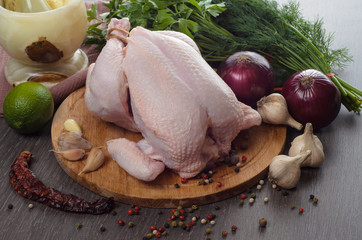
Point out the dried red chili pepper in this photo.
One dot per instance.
(27, 185)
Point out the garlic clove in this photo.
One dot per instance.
(273, 109)
(317, 157)
(72, 154)
(308, 141)
(285, 170)
(95, 160)
(72, 140)
(71, 126)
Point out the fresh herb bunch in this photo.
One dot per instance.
(223, 27)
(177, 15)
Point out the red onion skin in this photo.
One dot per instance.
(249, 80)
(318, 104)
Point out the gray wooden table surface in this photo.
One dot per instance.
(337, 183)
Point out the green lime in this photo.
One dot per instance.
(28, 107)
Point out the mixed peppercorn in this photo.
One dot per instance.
(186, 219)
(206, 177)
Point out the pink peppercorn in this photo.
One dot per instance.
(130, 212)
(219, 184)
(183, 180)
(243, 196)
(210, 217)
(121, 222)
(301, 210)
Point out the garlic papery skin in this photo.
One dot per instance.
(72, 140)
(284, 170)
(308, 141)
(273, 109)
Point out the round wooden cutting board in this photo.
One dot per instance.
(264, 142)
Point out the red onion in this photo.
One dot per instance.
(249, 75)
(312, 97)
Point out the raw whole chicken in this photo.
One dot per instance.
(157, 83)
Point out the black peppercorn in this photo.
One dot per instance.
(10, 206)
(262, 222)
(103, 229)
(285, 193)
(234, 159)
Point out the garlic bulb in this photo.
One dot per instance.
(284, 170)
(273, 109)
(308, 141)
(95, 160)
